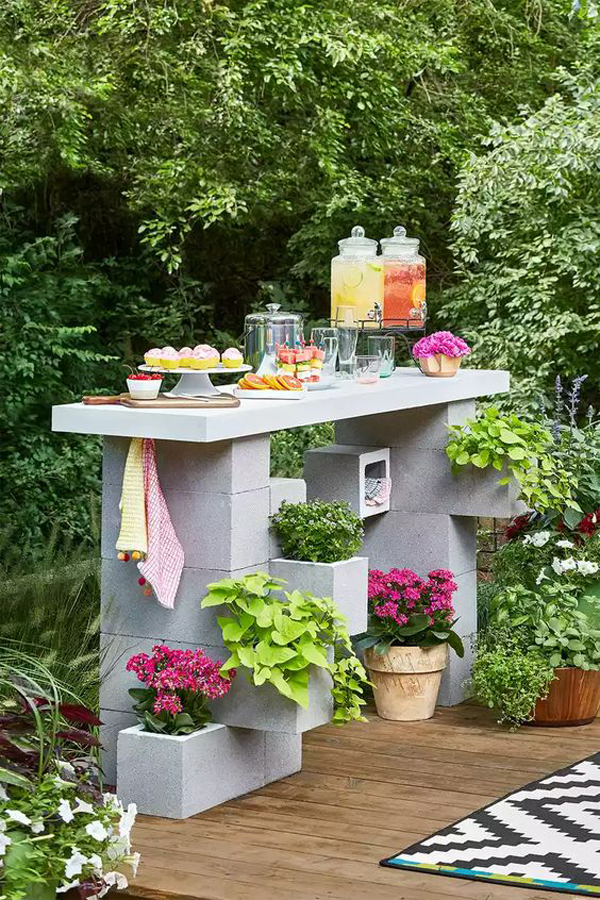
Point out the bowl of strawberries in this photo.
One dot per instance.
(143, 385)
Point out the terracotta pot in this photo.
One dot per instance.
(406, 681)
(573, 699)
(440, 365)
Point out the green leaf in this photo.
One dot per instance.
(8, 777)
(269, 655)
(232, 663)
(313, 653)
(288, 630)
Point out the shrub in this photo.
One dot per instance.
(318, 531)
(288, 448)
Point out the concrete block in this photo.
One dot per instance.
(115, 650)
(345, 582)
(421, 428)
(422, 481)
(421, 541)
(283, 755)
(126, 610)
(456, 675)
(291, 489)
(112, 723)
(338, 472)
(216, 531)
(228, 467)
(264, 708)
(177, 776)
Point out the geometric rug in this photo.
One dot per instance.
(545, 835)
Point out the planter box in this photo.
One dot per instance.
(345, 582)
(177, 776)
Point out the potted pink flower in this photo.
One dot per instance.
(439, 354)
(411, 623)
(171, 764)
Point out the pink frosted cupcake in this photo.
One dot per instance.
(213, 357)
(169, 358)
(152, 357)
(185, 357)
(232, 358)
(201, 358)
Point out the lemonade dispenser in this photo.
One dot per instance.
(357, 280)
(404, 281)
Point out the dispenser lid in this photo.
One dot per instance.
(399, 244)
(273, 315)
(357, 244)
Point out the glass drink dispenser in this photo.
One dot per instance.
(404, 281)
(357, 280)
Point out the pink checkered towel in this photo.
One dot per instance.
(164, 560)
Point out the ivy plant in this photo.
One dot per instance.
(279, 635)
(318, 531)
(515, 448)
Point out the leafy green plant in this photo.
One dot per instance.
(318, 531)
(521, 448)
(278, 636)
(508, 678)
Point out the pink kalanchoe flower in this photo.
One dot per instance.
(443, 342)
(400, 593)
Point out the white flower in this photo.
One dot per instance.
(38, 827)
(96, 830)
(127, 820)
(96, 862)
(3, 794)
(539, 539)
(83, 807)
(17, 816)
(112, 801)
(113, 879)
(569, 565)
(67, 887)
(134, 862)
(65, 811)
(74, 864)
(586, 567)
(566, 544)
(557, 565)
(4, 842)
(541, 577)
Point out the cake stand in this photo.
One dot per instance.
(195, 382)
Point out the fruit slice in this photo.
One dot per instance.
(273, 382)
(290, 383)
(243, 385)
(351, 276)
(417, 294)
(256, 382)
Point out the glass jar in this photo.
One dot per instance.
(404, 302)
(357, 281)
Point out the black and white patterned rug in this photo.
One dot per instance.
(544, 835)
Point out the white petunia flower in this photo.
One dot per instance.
(83, 807)
(539, 539)
(586, 567)
(113, 879)
(566, 544)
(3, 794)
(541, 577)
(67, 887)
(65, 811)
(96, 830)
(557, 565)
(96, 862)
(569, 565)
(75, 863)
(112, 801)
(134, 862)
(65, 767)
(5, 841)
(127, 820)
(38, 827)
(17, 816)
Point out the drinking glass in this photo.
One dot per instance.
(318, 335)
(347, 340)
(384, 346)
(329, 345)
(366, 369)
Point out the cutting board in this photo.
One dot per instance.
(221, 401)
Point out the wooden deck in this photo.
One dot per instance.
(365, 791)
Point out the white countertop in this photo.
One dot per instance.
(407, 388)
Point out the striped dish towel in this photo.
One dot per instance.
(163, 565)
(133, 534)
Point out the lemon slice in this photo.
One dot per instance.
(352, 276)
(417, 294)
(376, 267)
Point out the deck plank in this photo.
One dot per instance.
(365, 792)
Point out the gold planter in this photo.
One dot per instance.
(440, 365)
(406, 681)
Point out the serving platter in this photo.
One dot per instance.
(195, 382)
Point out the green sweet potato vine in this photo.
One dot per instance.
(279, 636)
